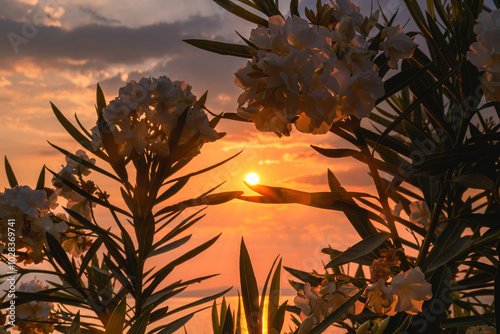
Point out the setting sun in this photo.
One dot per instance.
(252, 178)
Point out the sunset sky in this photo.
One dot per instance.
(75, 44)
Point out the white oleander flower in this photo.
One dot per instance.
(360, 95)
(487, 29)
(379, 298)
(132, 139)
(311, 303)
(482, 59)
(299, 34)
(345, 8)
(116, 111)
(34, 310)
(336, 296)
(154, 107)
(420, 213)
(396, 45)
(79, 168)
(135, 94)
(344, 32)
(410, 289)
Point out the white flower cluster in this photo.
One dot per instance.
(27, 211)
(73, 172)
(316, 303)
(144, 114)
(485, 53)
(407, 292)
(34, 311)
(313, 76)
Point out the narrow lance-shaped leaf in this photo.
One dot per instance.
(75, 325)
(117, 320)
(85, 162)
(228, 49)
(10, 174)
(359, 250)
(322, 326)
(140, 325)
(41, 179)
(249, 291)
(274, 296)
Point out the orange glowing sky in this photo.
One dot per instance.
(84, 42)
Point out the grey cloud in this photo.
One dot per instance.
(108, 44)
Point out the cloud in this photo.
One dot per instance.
(99, 43)
(309, 179)
(268, 162)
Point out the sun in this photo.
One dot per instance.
(252, 178)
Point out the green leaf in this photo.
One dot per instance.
(339, 200)
(89, 255)
(455, 249)
(322, 326)
(366, 260)
(140, 325)
(198, 302)
(279, 318)
(73, 131)
(41, 179)
(10, 174)
(227, 49)
(171, 246)
(241, 12)
(336, 152)
(274, 298)
(360, 249)
(305, 276)
(294, 8)
(88, 196)
(160, 275)
(117, 320)
(215, 319)
(61, 258)
(249, 292)
(174, 189)
(75, 325)
(174, 325)
(228, 326)
(101, 101)
(401, 80)
(85, 163)
(415, 104)
(213, 199)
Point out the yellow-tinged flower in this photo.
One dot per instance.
(410, 289)
(34, 311)
(380, 299)
(397, 45)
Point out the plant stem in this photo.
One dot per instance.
(436, 212)
(383, 198)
